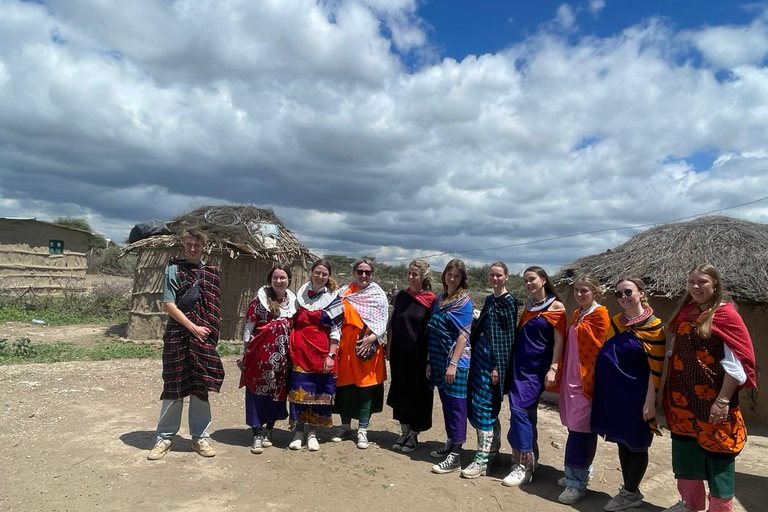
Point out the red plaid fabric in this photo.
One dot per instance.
(192, 367)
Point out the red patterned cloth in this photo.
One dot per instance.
(310, 341)
(266, 363)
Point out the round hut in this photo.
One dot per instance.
(662, 257)
(244, 242)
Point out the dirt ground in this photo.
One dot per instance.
(75, 437)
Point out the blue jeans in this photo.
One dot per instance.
(170, 418)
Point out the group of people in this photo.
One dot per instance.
(323, 350)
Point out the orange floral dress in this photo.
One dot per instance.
(695, 377)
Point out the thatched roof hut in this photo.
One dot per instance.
(662, 257)
(244, 242)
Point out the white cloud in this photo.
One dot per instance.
(565, 16)
(138, 110)
(596, 6)
(729, 47)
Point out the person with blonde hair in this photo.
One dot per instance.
(265, 363)
(532, 368)
(712, 357)
(362, 365)
(314, 348)
(576, 376)
(191, 365)
(449, 357)
(492, 339)
(627, 378)
(409, 395)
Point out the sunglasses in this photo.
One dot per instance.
(364, 272)
(626, 293)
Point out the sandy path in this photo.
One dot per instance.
(75, 437)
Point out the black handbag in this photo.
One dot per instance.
(187, 301)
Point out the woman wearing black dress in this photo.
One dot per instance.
(410, 395)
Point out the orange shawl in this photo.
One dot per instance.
(556, 318)
(591, 334)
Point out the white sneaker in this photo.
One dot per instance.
(624, 500)
(312, 444)
(202, 445)
(266, 439)
(298, 437)
(517, 477)
(680, 506)
(571, 496)
(362, 438)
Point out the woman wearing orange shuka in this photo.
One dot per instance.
(576, 376)
(712, 357)
(362, 367)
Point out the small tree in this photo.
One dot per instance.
(95, 241)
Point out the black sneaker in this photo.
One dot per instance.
(441, 452)
(400, 441)
(449, 465)
(411, 443)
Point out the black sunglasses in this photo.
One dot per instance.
(626, 293)
(364, 272)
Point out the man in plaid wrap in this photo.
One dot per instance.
(191, 365)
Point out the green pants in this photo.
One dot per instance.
(691, 462)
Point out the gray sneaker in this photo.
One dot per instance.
(400, 441)
(476, 469)
(680, 506)
(449, 465)
(571, 496)
(258, 444)
(624, 500)
(411, 443)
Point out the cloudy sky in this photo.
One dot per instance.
(396, 128)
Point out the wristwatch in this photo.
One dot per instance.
(332, 356)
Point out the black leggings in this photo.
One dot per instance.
(633, 466)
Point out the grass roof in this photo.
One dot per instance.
(663, 255)
(234, 229)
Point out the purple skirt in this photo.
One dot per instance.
(262, 410)
(312, 396)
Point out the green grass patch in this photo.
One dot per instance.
(66, 311)
(226, 348)
(104, 351)
(62, 352)
(105, 303)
